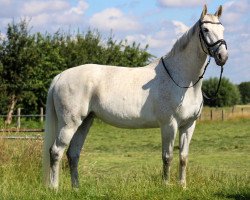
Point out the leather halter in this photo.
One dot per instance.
(209, 46)
(210, 52)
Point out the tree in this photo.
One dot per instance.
(49, 63)
(244, 88)
(228, 94)
(28, 62)
(18, 58)
(3, 96)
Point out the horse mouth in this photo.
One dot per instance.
(221, 59)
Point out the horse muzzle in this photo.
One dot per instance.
(221, 56)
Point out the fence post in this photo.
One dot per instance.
(222, 114)
(211, 114)
(19, 118)
(41, 114)
(242, 110)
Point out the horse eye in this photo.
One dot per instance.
(206, 30)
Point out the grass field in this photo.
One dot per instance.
(126, 164)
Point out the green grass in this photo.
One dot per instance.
(126, 164)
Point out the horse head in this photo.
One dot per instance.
(212, 36)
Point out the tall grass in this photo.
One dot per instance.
(126, 164)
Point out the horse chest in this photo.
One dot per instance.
(189, 110)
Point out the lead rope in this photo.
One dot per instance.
(214, 96)
(200, 77)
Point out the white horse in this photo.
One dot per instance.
(144, 97)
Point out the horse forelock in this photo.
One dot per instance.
(211, 17)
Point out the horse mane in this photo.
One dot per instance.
(183, 41)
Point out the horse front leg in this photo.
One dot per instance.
(168, 133)
(186, 133)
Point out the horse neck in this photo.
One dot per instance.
(186, 60)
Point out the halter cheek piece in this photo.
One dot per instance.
(210, 52)
(209, 46)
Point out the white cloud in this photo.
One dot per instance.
(31, 8)
(161, 41)
(151, 40)
(181, 3)
(80, 8)
(234, 12)
(53, 14)
(180, 27)
(113, 19)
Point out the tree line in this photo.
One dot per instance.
(29, 61)
(229, 94)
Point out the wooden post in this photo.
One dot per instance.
(242, 110)
(19, 118)
(41, 114)
(222, 115)
(211, 114)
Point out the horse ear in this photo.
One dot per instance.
(218, 12)
(204, 11)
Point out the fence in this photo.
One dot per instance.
(206, 115)
(18, 117)
(225, 113)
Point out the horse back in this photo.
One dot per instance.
(118, 95)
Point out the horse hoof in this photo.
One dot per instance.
(183, 185)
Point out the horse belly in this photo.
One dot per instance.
(131, 122)
(126, 111)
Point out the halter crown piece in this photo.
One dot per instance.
(209, 47)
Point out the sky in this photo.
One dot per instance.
(157, 23)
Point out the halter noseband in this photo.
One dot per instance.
(209, 46)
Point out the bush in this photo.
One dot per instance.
(228, 94)
(244, 88)
(28, 61)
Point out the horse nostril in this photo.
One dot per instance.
(219, 56)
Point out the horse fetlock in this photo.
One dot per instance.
(183, 161)
(75, 182)
(183, 183)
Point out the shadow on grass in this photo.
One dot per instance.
(243, 196)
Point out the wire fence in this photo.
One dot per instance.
(19, 128)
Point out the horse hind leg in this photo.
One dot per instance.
(76, 144)
(66, 133)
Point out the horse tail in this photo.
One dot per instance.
(50, 131)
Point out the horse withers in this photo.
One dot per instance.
(144, 97)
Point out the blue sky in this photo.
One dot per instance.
(157, 23)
